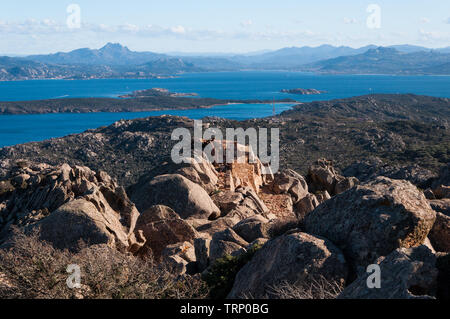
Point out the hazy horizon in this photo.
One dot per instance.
(217, 53)
(201, 26)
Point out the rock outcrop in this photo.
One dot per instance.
(224, 243)
(373, 219)
(443, 178)
(69, 204)
(440, 233)
(180, 258)
(306, 205)
(187, 199)
(290, 182)
(441, 205)
(323, 177)
(406, 273)
(368, 170)
(161, 227)
(253, 228)
(293, 258)
(441, 192)
(198, 170)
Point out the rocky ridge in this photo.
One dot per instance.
(69, 203)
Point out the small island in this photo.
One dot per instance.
(302, 91)
(156, 92)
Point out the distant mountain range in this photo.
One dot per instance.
(385, 61)
(117, 61)
(110, 54)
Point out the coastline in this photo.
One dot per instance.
(139, 110)
(312, 73)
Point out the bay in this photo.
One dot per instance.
(16, 129)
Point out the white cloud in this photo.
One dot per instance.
(178, 29)
(350, 20)
(130, 27)
(433, 36)
(246, 23)
(49, 27)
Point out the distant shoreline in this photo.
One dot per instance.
(316, 73)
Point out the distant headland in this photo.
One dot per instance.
(300, 91)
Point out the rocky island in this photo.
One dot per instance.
(300, 91)
(155, 92)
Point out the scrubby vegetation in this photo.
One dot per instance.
(33, 269)
(220, 278)
(319, 288)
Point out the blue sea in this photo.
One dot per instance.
(16, 129)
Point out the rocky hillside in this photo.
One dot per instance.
(383, 199)
(407, 135)
(242, 237)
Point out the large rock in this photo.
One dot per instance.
(180, 258)
(224, 243)
(44, 188)
(201, 246)
(440, 233)
(306, 205)
(70, 204)
(198, 170)
(251, 205)
(83, 220)
(296, 258)
(227, 201)
(373, 220)
(162, 227)
(442, 192)
(188, 199)
(252, 228)
(406, 273)
(215, 226)
(370, 169)
(443, 179)
(441, 205)
(290, 182)
(323, 177)
(344, 184)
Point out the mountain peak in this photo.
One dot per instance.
(383, 50)
(114, 47)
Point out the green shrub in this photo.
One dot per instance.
(221, 276)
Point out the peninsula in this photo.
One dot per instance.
(147, 100)
(302, 91)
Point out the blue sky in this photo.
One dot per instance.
(28, 27)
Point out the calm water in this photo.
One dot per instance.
(223, 85)
(18, 129)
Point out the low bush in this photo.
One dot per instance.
(319, 288)
(220, 278)
(34, 269)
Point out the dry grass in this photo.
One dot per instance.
(36, 270)
(319, 288)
